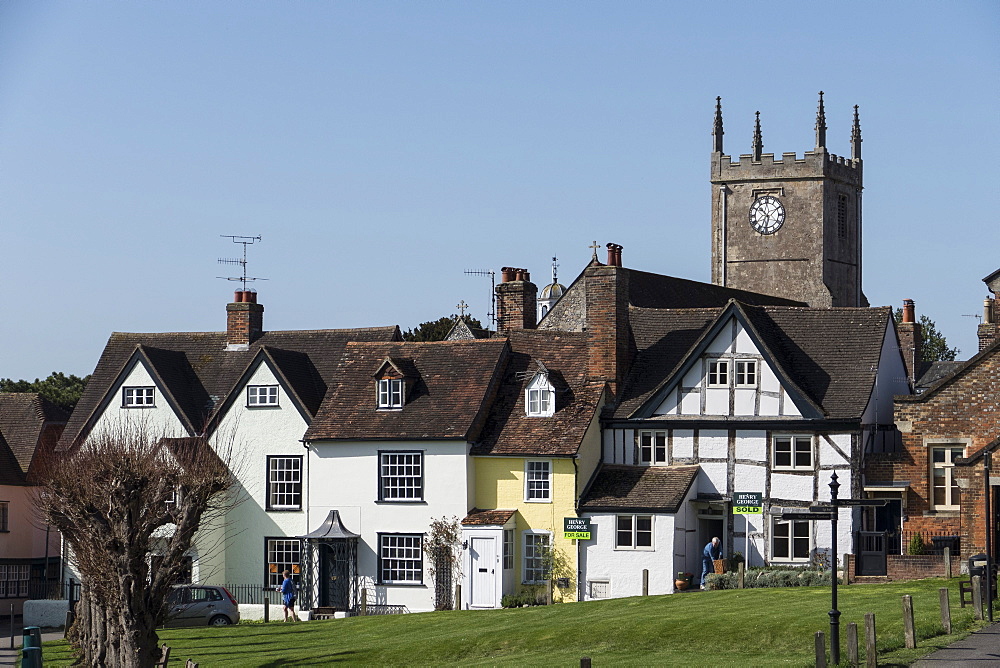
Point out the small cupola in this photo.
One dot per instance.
(550, 294)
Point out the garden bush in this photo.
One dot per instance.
(760, 578)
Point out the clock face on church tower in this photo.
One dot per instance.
(767, 215)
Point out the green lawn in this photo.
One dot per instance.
(759, 627)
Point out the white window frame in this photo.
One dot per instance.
(746, 373)
(285, 554)
(400, 557)
(508, 549)
(794, 441)
(947, 467)
(538, 483)
(717, 373)
(792, 525)
(14, 580)
(531, 562)
(633, 532)
(539, 397)
(284, 482)
(401, 476)
(390, 393)
(143, 396)
(650, 441)
(262, 395)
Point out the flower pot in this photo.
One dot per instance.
(681, 585)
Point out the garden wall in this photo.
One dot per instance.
(915, 566)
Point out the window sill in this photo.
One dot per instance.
(635, 549)
(405, 502)
(944, 512)
(133, 407)
(414, 585)
(285, 510)
(538, 500)
(788, 469)
(263, 405)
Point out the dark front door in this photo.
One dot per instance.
(888, 519)
(334, 571)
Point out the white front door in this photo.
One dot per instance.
(484, 569)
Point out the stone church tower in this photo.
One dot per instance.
(789, 227)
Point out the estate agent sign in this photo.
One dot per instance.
(576, 528)
(747, 503)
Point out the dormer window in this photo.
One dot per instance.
(390, 393)
(718, 373)
(540, 399)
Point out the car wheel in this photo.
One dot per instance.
(219, 620)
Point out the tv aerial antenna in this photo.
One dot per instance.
(492, 315)
(242, 262)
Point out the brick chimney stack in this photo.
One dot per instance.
(988, 330)
(516, 300)
(911, 340)
(608, 337)
(244, 320)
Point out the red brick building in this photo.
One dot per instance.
(937, 472)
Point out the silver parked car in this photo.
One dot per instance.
(198, 605)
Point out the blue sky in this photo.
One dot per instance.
(382, 148)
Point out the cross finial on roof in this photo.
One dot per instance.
(461, 306)
(594, 248)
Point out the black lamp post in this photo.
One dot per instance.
(988, 529)
(834, 612)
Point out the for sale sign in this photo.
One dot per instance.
(748, 503)
(576, 528)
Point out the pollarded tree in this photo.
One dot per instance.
(111, 498)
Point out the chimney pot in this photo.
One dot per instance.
(909, 312)
(508, 274)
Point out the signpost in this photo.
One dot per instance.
(828, 512)
(576, 528)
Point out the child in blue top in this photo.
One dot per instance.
(288, 596)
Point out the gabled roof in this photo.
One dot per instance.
(957, 372)
(653, 291)
(293, 369)
(461, 331)
(456, 380)
(199, 373)
(826, 356)
(29, 425)
(404, 368)
(509, 431)
(644, 488)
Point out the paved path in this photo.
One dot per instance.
(8, 656)
(982, 648)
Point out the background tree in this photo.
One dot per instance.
(62, 390)
(109, 498)
(935, 347)
(436, 330)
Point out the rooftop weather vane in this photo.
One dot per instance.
(246, 241)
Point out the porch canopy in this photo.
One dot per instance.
(330, 566)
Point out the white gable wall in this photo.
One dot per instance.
(693, 396)
(157, 419)
(253, 433)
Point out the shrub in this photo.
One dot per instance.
(916, 544)
(760, 578)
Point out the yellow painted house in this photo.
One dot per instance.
(540, 447)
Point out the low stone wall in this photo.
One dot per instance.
(255, 612)
(915, 566)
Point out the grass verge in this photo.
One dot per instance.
(750, 627)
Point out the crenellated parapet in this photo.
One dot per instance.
(812, 164)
